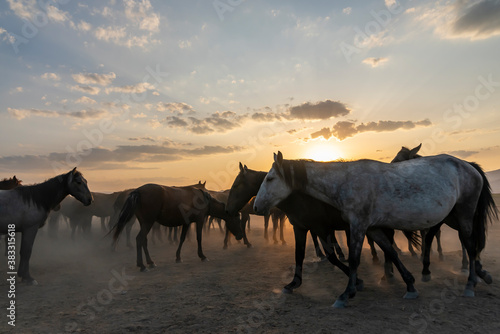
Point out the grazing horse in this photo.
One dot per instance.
(305, 214)
(171, 206)
(27, 208)
(410, 195)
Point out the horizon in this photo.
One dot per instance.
(173, 93)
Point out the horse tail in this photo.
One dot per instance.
(126, 214)
(485, 210)
(414, 237)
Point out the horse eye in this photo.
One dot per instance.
(269, 179)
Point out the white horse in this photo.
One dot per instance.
(410, 195)
(27, 207)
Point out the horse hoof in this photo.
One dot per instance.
(30, 282)
(205, 259)
(322, 258)
(411, 295)
(283, 243)
(468, 293)
(144, 270)
(426, 278)
(375, 261)
(178, 261)
(339, 304)
(224, 247)
(249, 245)
(487, 278)
(287, 291)
(152, 265)
(464, 271)
(441, 257)
(360, 285)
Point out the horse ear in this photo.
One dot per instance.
(204, 183)
(278, 158)
(73, 171)
(241, 167)
(413, 151)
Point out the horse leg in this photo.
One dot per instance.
(282, 227)
(385, 243)
(469, 244)
(266, 225)
(199, 229)
(410, 246)
(440, 249)
(185, 229)
(465, 261)
(355, 247)
(337, 247)
(275, 228)
(375, 259)
(142, 243)
(103, 224)
(27, 240)
(314, 237)
(426, 245)
(72, 223)
(226, 239)
(300, 250)
(243, 228)
(221, 230)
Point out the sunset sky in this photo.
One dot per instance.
(173, 92)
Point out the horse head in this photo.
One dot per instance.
(274, 188)
(407, 154)
(77, 187)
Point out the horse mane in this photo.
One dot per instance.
(295, 174)
(40, 194)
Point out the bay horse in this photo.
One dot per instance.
(410, 195)
(27, 208)
(171, 206)
(308, 214)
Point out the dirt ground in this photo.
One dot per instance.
(86, 288)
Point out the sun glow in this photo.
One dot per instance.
(322, 151)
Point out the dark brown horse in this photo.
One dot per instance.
(171, 206)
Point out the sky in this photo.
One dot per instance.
(173, 92)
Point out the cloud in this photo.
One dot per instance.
(20, 114)
(142, 14)
(86, 89)
(374, 62)
(345, 129)
(175, 107)
(320, 110)
(32, 9)
(16, 90)
(463, 153)
(94, 78)
(104, 158)
(474, 20)
(85, 100)
(347, 10)
(131, 89)
(50, 76)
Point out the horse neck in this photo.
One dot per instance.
(217, 209)
(256, 179)
(47, 194)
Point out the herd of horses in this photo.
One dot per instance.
(362, 198)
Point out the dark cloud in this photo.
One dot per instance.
(175, 107)
(481, 19)
(120, 156)
(346, 129)
(176, 122)
(94, 78)
(320, 110)
(82, 114)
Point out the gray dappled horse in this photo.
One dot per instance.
(410, 195)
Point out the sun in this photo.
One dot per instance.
(322, 151)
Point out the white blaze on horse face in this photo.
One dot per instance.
(272, 191)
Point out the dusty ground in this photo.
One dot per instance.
(86, 288)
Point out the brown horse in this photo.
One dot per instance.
(171, 206)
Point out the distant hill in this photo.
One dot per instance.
(494, 178)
